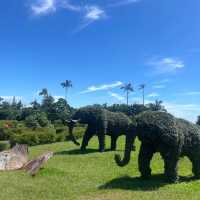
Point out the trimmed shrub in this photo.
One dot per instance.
(78, 132)
(31, 122)
(30, 138)
(4, 145)
(46, 135)
(60, 137)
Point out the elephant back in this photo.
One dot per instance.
(157, 127)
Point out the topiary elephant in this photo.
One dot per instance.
(172, 137)
(102, 122)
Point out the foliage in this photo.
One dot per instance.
(4, 145)
(66, 84)
(34, 137)
(31, 122)
(198, 121)
(128, 88)
(46, 135)
(157, 106)
(28, 137)
(6, 128)
(36, 114)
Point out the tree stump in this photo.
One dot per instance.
(17, 158)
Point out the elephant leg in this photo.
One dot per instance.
(196, 168)
(101, 138)
(171, 166)
(87, 136)
(113, 143)
(144, 159)
(133, 147)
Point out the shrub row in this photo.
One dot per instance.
(4, 145)
(19, 133)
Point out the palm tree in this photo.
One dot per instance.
(142, 87)
(66, 84)
(44, 92)
(127, 87)
(158, 105)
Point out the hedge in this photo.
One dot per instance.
(17, 132)
(4, 145)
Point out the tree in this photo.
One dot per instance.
(66, 85)
(157, 106)
(44, 92)
(1, 99)
(127, 88)
(35, 105)
(198, 120)
(142, 87)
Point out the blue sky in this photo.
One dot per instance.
(99, 45)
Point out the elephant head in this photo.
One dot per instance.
(130, 138)
(71, 124)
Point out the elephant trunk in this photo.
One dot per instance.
(130, 138)
(71, 135)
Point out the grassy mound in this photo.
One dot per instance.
(70, 175)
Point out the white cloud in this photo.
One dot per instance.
(192, 93)
(166, 65)
(10, 98)
(185, 111)
(91, 15)
(123, 3)
(117, 96)
(166, 80)
(43, 7)
(102, 87)
(94, 13)
(69, 6)
(153, 94)
(56, 98)
(158, 86)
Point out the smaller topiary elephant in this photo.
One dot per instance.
(170, 136)
(101, 122)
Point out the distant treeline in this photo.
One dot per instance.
(50, 111)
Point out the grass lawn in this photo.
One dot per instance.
(71, 175)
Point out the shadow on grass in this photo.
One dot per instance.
(137, 183)
(80, 152)
(77, 152)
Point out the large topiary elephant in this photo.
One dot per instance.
(102, 122)
(172, 137)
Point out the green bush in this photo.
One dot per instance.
(5, 133)
(30, 138)
(34, 137)
(42, 119)
(78, 132)
(46, 135)
(60, 137)
(20, 133)
(31, 122)
(38, 119)
(4, 145)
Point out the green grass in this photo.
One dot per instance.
(71, 175)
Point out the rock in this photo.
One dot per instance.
(15, 158)
(33, 166)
